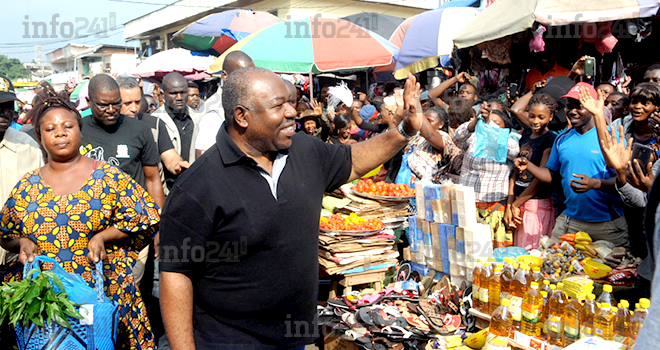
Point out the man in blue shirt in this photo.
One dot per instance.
(592, 204)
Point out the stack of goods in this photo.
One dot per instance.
(556, 315)
(397, 317)
(352, 244)
(445, 235)
(384, 201)
(578, 287)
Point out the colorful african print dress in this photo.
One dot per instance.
(63, 225)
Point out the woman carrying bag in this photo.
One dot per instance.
(79, 212)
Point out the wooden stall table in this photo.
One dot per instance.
(348, 281)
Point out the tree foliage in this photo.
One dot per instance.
(12, 68)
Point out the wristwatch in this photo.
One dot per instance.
(403, 133)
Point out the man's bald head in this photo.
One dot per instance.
(235, 60)
(237, 89)
(101, 83)
(173, 78)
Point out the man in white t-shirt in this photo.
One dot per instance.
(213, 115)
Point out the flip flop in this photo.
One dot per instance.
(418, 322)
(434, 319)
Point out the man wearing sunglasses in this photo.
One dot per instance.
(119, 140)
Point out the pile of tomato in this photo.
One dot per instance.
(338, 222)
(382, 188)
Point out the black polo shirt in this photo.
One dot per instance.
(252, 259)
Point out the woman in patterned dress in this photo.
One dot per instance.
(79, 211)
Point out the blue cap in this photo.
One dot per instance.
(367, 111)
(425, 96)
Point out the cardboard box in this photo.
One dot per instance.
(333, 341)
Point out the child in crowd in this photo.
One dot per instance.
(529, 206)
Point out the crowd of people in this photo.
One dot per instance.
(231, 260)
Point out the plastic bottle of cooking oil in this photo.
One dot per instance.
(544, 315)
(587, 316)
(507, 277)
(639, 316)
(532, 311)
(494, 290)
(519, 287)
(484, 280)
(606, 296)
(476, 287)
(604, 322)
(560, 287)
(537, 276)
(555, 314)
(571, 321)
(623, 323)
(546, 286)
(500, 322)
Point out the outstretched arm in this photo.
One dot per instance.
(435, 93)
(369, 154)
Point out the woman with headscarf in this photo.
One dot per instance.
(80, 211)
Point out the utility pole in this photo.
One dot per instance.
(37, 60)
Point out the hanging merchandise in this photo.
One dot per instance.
(498, 50)
(640, 28)
(600, 34)
(536, 43)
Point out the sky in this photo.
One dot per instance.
(76, 20)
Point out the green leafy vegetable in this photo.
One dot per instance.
(34, 300)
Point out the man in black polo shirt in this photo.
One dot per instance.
(121, 141)
(239, 231)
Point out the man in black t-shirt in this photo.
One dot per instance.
(119, 140)
(239, 230)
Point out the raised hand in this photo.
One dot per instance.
(616, 154)
(413, 118)
(538, 85)
(578, 67)
(637, 177)
(463, 77)
(595, 107)
(317, 108)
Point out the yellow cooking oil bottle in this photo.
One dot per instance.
(500, 321)
(476, 285)
(544, 315)
(638, 317)
(537, 276)
(571, 321)
(507, 276)
(494, 290)
(604, 322)
(546, 286)
(623, 324)
(532, 311)
(555, 314)
(587, 316)
(519, 287)
(484, 280)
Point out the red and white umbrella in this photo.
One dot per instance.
(174, 60)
